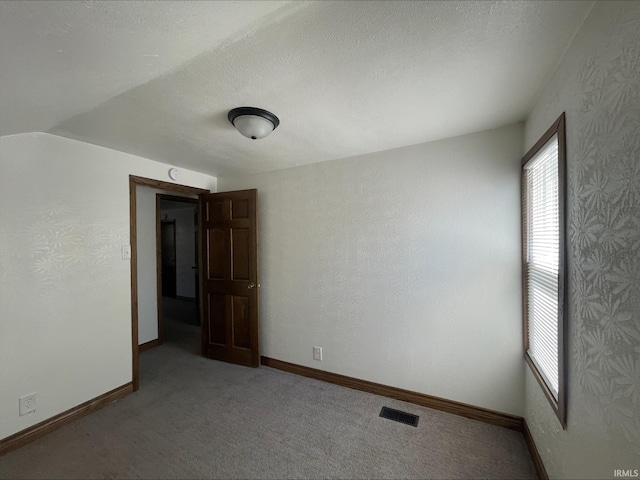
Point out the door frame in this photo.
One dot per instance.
(173, 198)
(135, 181)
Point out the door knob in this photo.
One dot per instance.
(252, 285)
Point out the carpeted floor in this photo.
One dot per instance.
(198, 418)
(180, 310)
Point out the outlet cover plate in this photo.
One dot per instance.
(317, 353)
(28, 403)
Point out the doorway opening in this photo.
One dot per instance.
(227, 271)
(177, 255)
(168, 256)
(145, 287)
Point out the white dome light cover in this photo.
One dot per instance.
(253, 123)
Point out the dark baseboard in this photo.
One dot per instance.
(535, 455)
(147, 345)
(500, 419)
(38, 430)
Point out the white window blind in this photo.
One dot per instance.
(542, 242)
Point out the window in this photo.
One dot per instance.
(543, 263)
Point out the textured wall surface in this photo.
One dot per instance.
(403, 265)
(65, 302)
(147, 273)
(598, 85)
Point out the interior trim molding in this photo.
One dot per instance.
(38, 430)
(162, 185)
(148, 345)
(485, 415)
(535, 455)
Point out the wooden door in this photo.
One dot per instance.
(229, 266)
(168, 256)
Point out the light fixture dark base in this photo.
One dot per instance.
(259, 112)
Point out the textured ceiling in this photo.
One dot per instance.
(60, 59)
(157, 79)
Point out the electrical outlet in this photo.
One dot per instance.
(28, 403)
(317, 353)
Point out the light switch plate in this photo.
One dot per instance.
(126, 252)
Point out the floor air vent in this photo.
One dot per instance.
(398, 416)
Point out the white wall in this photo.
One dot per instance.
(403, 265)
(185, 248)
(65, 306)
(598, 85)
(147, 273)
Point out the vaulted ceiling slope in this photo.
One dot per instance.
(157, 79)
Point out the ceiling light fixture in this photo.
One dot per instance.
(253, 123)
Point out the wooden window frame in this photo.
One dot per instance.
(560, 405)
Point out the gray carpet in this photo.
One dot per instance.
(181, 309)
(198, 418)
